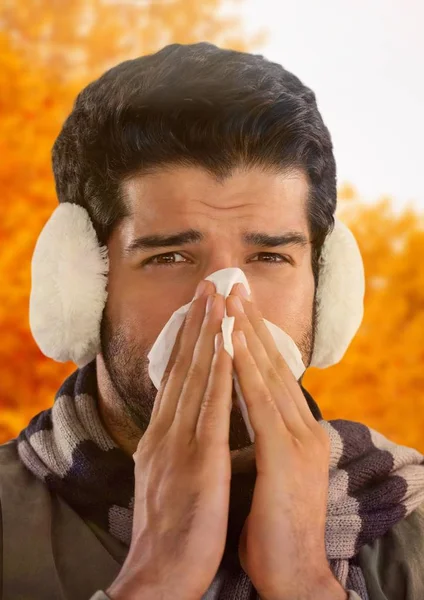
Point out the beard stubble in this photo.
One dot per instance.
(127, 365)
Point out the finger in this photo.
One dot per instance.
(264, 416)
(259, 326)
(171, 388)
(281, 395)
(167, 372)
(213, 424)
(196, 382)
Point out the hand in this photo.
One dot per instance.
(183, 470)
(282, 547)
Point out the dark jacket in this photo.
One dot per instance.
(48, 552)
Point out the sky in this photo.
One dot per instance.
(364, 59)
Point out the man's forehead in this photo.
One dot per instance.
(195, 183)
(180, 198)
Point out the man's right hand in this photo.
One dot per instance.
(183, 469)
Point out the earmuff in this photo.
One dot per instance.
(69, 280)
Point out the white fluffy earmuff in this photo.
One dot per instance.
(69, 280)
(68, 293)
(340, 296)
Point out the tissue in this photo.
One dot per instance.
(224, 280)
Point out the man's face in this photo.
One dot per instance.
(146, 285)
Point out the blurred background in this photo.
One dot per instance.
(363, 59)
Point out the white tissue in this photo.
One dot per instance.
(224, 280)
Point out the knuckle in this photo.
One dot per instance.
(267, 399)
(272, 374)
(208, 403)
(196, 372)
(181, 364)
(280, 362)
(209, 421)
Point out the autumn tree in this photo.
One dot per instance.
(49, 50)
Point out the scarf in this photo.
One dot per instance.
(373, 482)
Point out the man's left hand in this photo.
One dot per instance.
(282, 545)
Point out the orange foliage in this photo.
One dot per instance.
(380, 381)
(45, 61)
(48, 52)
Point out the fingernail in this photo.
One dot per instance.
(200, 289)
(243, 290)
(238, 303)
(240, 335)
(210, 302)
(218, 341)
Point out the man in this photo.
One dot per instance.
(169, 168)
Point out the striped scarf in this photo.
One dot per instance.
(373, 482)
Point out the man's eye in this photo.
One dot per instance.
(275, 258)
(163, 260)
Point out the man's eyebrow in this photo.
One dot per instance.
(193, 236)
(157, 240)
(265, 240)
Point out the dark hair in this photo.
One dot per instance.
(192, 104)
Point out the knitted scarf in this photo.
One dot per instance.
(373, 482)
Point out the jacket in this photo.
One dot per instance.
(48, 552)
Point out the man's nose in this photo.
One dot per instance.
(223, 260)
(219, 265)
